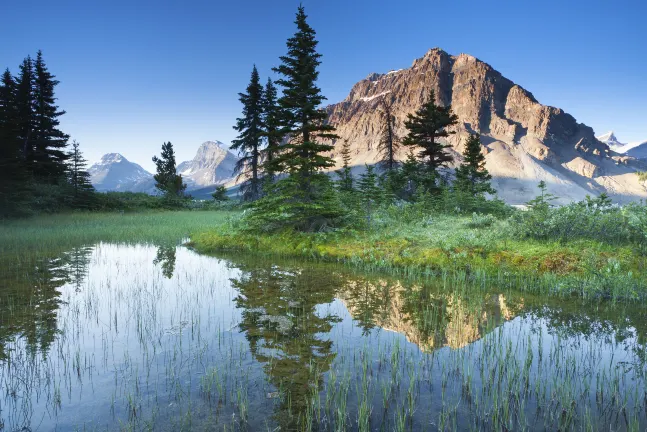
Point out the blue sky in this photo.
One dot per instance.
(136, 73)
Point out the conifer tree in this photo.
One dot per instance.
(369, 192)
(220, 194)
(248, 143)
(302, 119)
(472, 177)
(345, 182)
(48, 141)
(304, 200)
(389, 143)
(25, 110)
(425, 128)
(79, 177)
(271, 130)
(167, 180)
(14, 190)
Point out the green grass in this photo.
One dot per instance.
(60, 231)
(444, 245)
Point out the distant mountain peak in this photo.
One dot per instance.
(116, 173)
(212, 164)
(110, 158)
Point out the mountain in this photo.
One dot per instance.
(213, 164)
(116, 173)
(524, 141)
(636, 149)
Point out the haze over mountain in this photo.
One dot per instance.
(212, 164)
(524, 141)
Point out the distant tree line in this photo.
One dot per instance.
(285, 143)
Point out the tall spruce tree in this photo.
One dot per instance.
(14, 181)
(345, 182)
(79, 177)
(49, 143)
(304, 200)
(167, 180)
(425, 128)
(302, 119)
(472, 177)
(389, 143)
(271, 130)
(249, 141)
(369, 193)
(25, 110)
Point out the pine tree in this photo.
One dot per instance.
(48, 141)
(389, 143)
(14, 181)
(472, 177)
(79, 177)
(305, 200)
(345, 182)
(302, 119)
(248, 143)
(369, 193)
(167, 180)
(426, 127)
(271, 130)
(25, 110)
(220, 194)
(410, 174)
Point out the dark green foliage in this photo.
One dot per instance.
(220, 194)
(410, 176)
(425, 128)
(287, 206)
(25, 110)
(47, 141)
(389, 142)
(271, 130)
(370, 194)
(345, 182)
(301, 118)
(248, 142)
(167, 180)
(472, 177)
(82, 191)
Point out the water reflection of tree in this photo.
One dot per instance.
(165, 258)
(285, 331)
(30, 296)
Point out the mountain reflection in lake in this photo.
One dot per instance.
(159, 337)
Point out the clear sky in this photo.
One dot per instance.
(136, 73)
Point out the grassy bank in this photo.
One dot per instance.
(61, 231)
(453, 246)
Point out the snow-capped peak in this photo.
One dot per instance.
(111, 158)
(610, 139)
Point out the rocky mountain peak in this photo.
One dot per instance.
(525, 141)
(212, 164)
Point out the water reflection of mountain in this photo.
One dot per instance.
(428, 318)
(30, 296)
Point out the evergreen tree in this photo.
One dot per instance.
(167, 180)
(410, 175)
(14, 181)
(220, 194)
(271, 130)
(369, 193)
(248, 143)
(425, 128)
(305, 199)
(48, 141)
(302, 119)
(79, 177)
(25, 110)
(472, 177)
(345, 182)
(389, 143)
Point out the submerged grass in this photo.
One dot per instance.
(451, 245)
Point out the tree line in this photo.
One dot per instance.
(38, 167)
(284, 143)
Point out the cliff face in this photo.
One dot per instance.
(524, 141)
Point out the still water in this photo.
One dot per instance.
(142, 337)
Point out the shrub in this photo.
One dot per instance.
(481, 220)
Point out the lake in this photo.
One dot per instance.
(158, 337)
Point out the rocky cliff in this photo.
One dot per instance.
(524, 141)
(213, 164)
